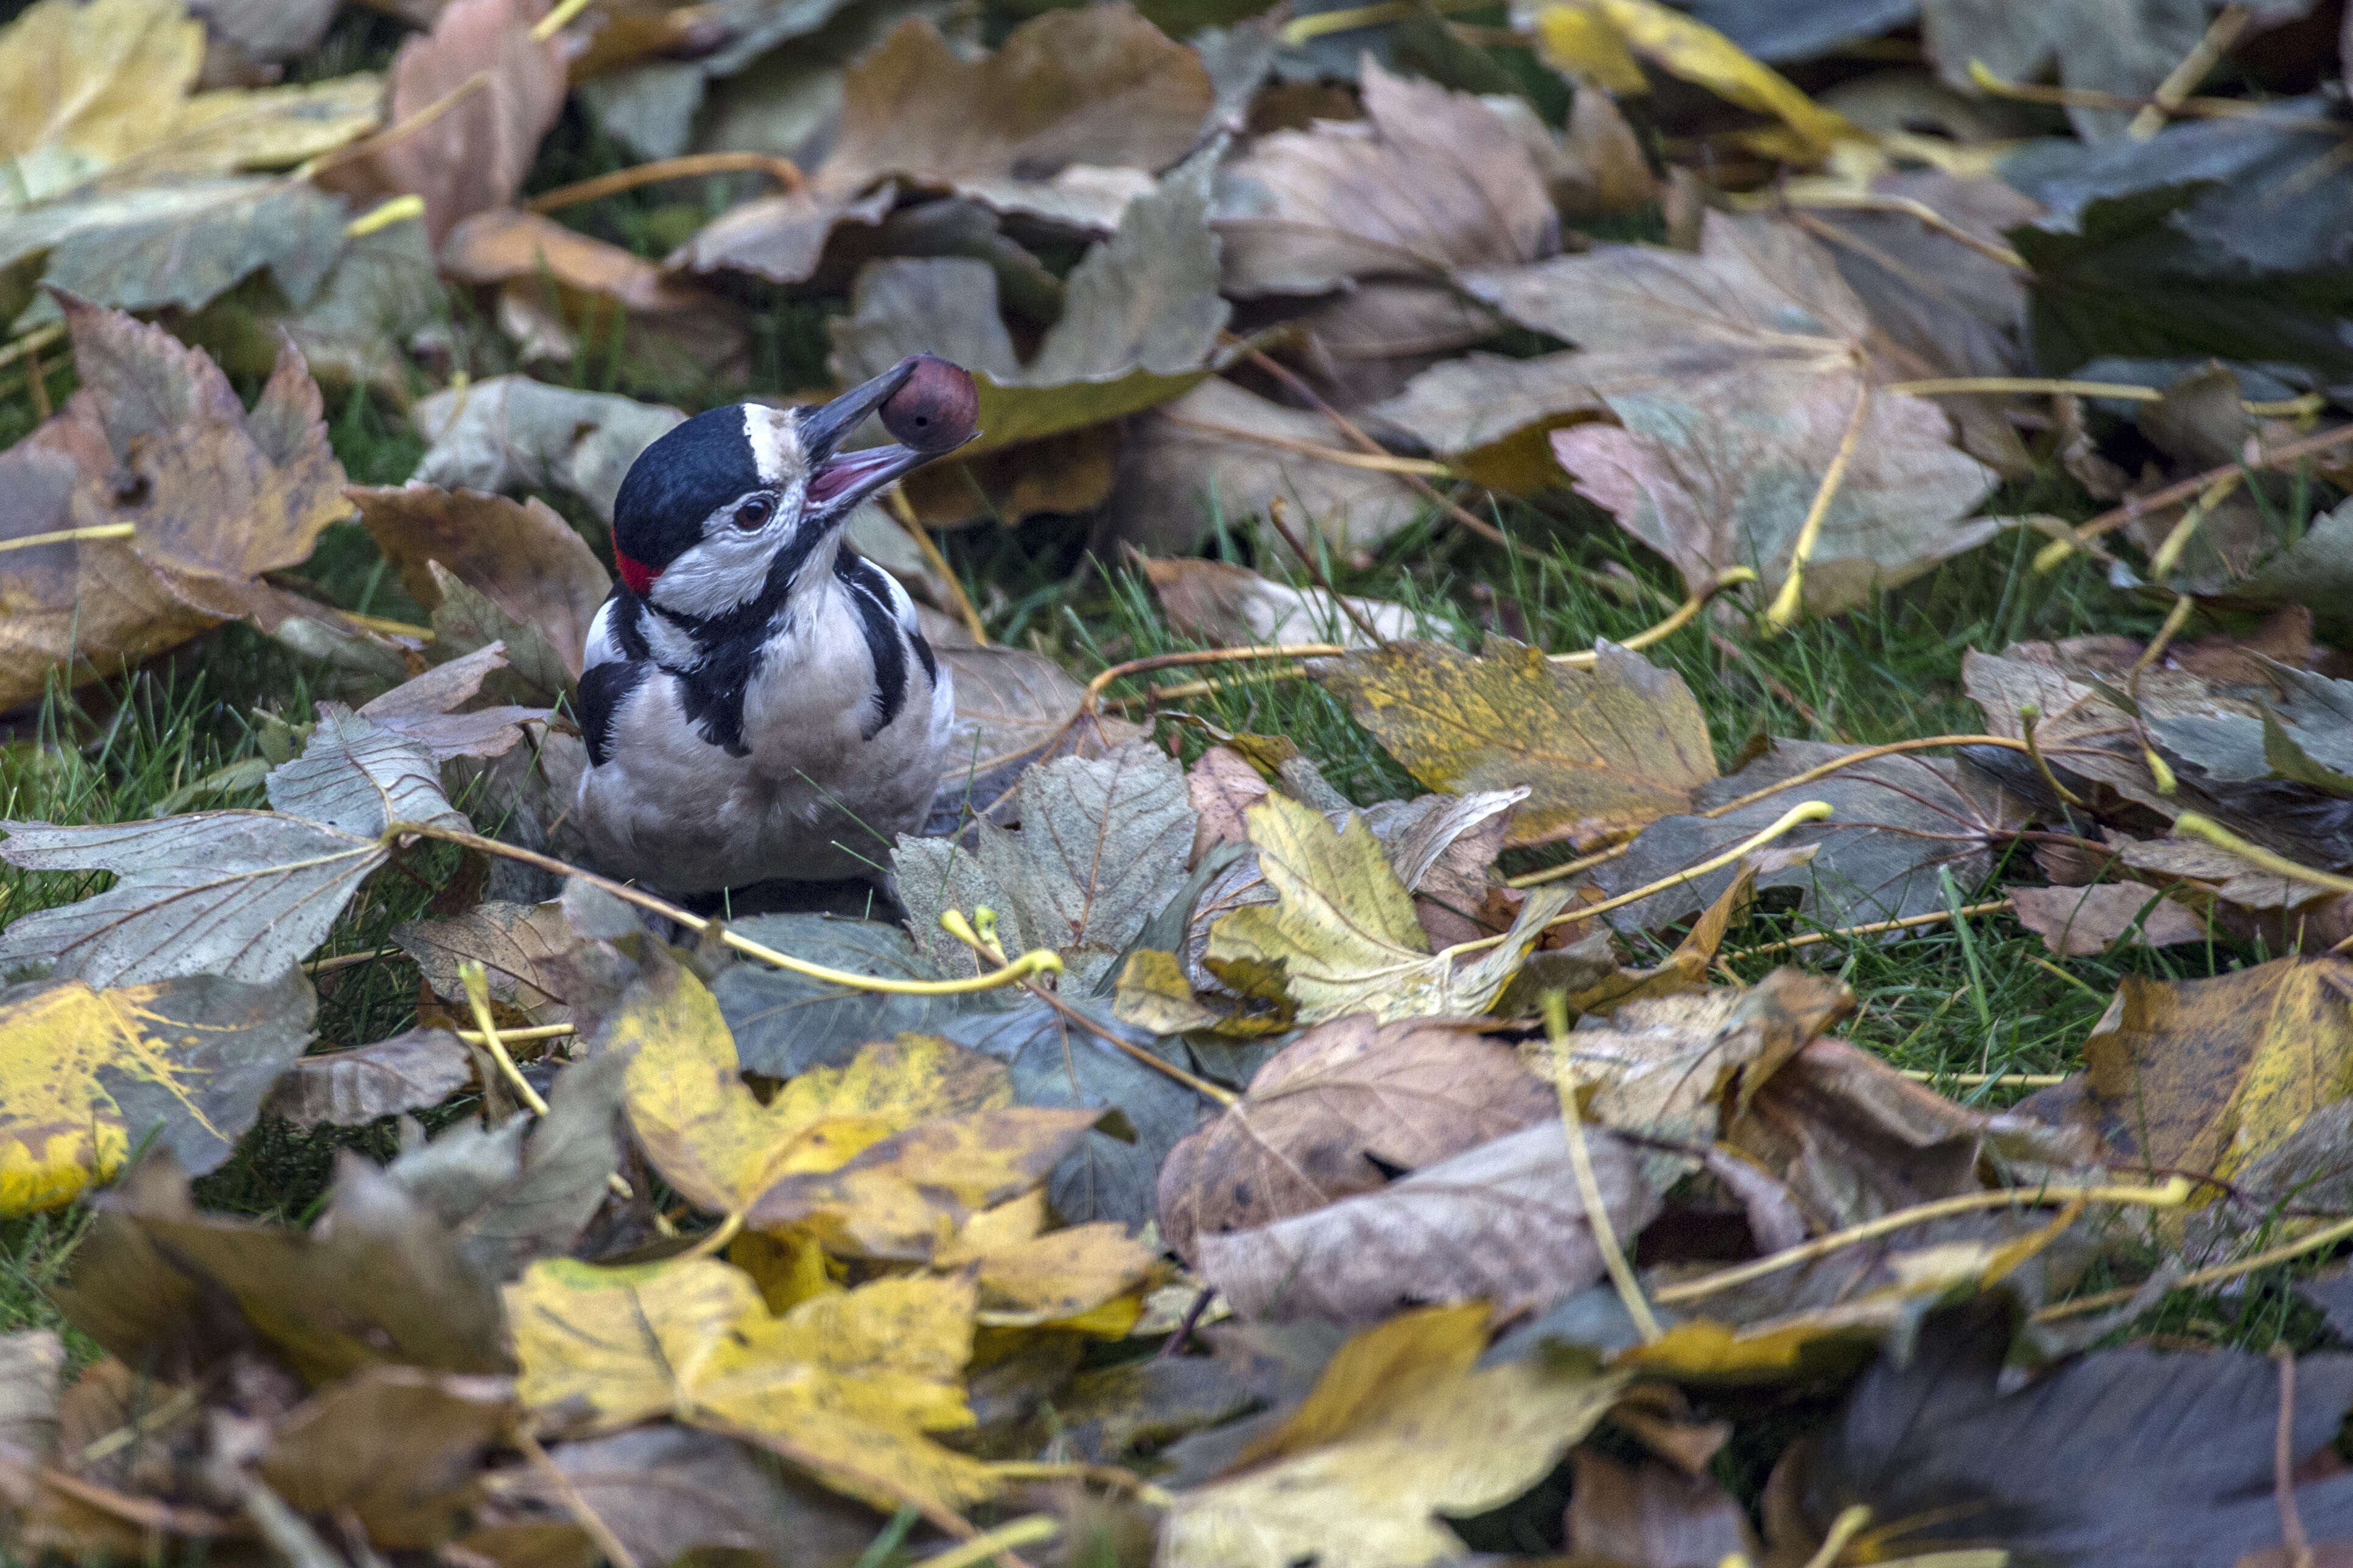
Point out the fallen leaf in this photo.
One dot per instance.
(1654, 1514)
(720, 1147)
(32, 1362)
(2302, 736)
(784, 1024)
(853, 1380)
(1501, 1221)
(2075, 921)
(1344, 930)
(397, 1445)
(1101, 847)
(1399, 1433)
(492, 91)
(410, 1071)
(1205, 457)
(420, 709)
(1140, 325)
(1056, 1061)
(1227, 607)
(1029, 1278)
(378, 1280)
(1014, 708)
(2206, 1075)
(1600, 750)
(92, 1073)
(1943, 1445)
(184, 244)
(1894, 822)
(158, 439)
(1223, 786)
(2126, 49)
(1336, 1110)
(902, 1197)
(527, 1188)
(524, 558)
(1062, 122)
(518, 946)
(511, 432)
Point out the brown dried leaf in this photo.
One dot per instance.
(1502, 1221)
(521, 556)
(1652, 1515)
(1336, 1110)
(493, 90)
(1226, 605)
(156, 437)
(521, 948)
(397, 1445)
(1600, 750)
(352, 1089)
(1222, 787)
(1013, 708)
(2075, 922)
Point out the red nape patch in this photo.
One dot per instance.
(636, 575)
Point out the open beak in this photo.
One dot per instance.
(840, 481)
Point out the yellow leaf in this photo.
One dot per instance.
(1360, 1476)
(789, 1267)
(1690, 49)
(1601, 750)
(1027, 1278)
(110, 81)
(1152, 994)
(1343, 931)
(2205, 1074)
(720, 1148)
(1579, 42)
(85, 1074)
(907, 1196)
(847, 1384)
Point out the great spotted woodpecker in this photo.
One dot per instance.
(758, 703)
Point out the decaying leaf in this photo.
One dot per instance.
(2206, 1075)
(853, 1380)
(523, 949)
(1600, 750)
(1343, 934)
(1333, 1111)
(1652, 1514)
(1501, 1222)
(1399, 1430)
(397, 1445)
(1014, 708)
(2072, 921)
(1066, 122)
(157, 438)
(91, 1075)
(511, 432)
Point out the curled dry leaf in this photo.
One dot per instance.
(492, 90)
(1501, 1222)
(523, 557)
(397, 1445)
(1343, 935)
(92, 1073)
(1066, 122)
(1336, 1110)
(156, 437)
(1400, 1432)
(512, 432)
(1600, 750)
(420, 709)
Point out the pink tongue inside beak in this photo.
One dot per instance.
(835, 475)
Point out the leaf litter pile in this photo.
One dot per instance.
(1361, 1078)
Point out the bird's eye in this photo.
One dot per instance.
(754, 514)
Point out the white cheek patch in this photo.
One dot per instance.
(776, 444)
(671, 645)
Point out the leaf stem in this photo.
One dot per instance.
(1907, 923)
(2173, 1193)
(1731, 577)
(96, 530)
(2214, 833)
(1040, 961)
(478, 998)
(1790, 599)
(784, 171)
(1588, 1185)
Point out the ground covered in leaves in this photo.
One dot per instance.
(1647, 860)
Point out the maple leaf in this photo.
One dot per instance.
(1344, 929)
(853, 1381)
(1400, 1429)
(216, 496)
(1599, 750)
(720, 1148)
(90, 1075)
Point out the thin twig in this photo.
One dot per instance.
(38, 338)
(1685, 614)
(615, 1550)
(2091, 97)
(2173, 1193)
(520, 1037)
(1110, 1475)
(1859, 201)
(2183, 490)
(2293, 1540)
(997, 1543)
(1588, 1185)
(1278, 512)
(784, 171)
(1040, 961)
(2029, 714)
(1843, 1529)
(2183, 79)
(1791, 599)
(1908, 923)
(900, 507)
(348, 959)
(2328, 1236)
(1997, 1079)
(92, 534)
(36, 383)
(1094, 697)
(478, 998)
(1382, 463)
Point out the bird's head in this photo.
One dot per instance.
(735, 503)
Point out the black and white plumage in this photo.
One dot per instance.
(758, 703)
